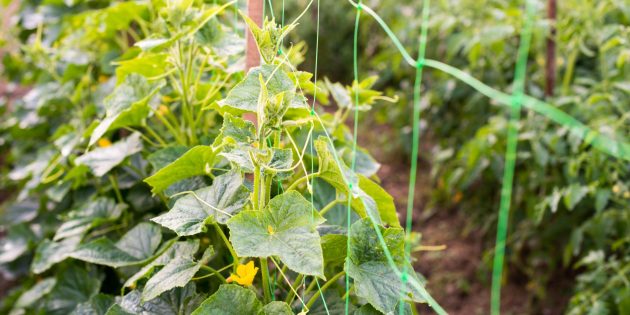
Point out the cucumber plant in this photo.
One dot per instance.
(159, 198)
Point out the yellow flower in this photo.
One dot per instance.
(244, 274)
(270, 230)
(167, 99)
(616, 189)
(104, 143)
(102, 79)
(162, 110)
(458, 197)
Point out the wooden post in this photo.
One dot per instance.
(550, 66)
(255, 12)
(252, 57)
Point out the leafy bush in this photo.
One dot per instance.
(567, 194)
(140, 189)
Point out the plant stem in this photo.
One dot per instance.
(143, 136)
(568, 73)
(323, 288)
(330, 206)
(345, 295)
(228, 244)
(276, 138)
(268, 188)
(301, 180)
(264, 272)
(155, 135)
(214, 272)
(255, 196)
(112, 180)
(107, 230)
(264, 185)
(295, 285)
(172, 129)
(261, 198)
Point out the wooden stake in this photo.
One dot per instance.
(550, 66)
(255, 12)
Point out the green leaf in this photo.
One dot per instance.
(286, 228)
(163, 157)
(194, 27)
(339, 94)
(127, 105)
(574, 194)
(236, 129)
(230, 299)
(174, 302)
(67, 143)
(176, 273)
(624, 301)
(97, 305)
(35, 293)
(334, 305)
(197, 161)
(102, 160)
(365, 164)
(74, 286)
(226, 196)
(244, 96)
(58, 191)
(223, 42)
(280, 159)
(19, 212)
(107, 21)
(16, 243)
(272, 161)
(368, 198)
(49, 253)
(91, 215)
(168, 155)
(149, 43)
(269, 38)
(554, 199)
(116, 309)
(368, 309)
(601, 199)
(374, 280)
(147, 65)
(240, 157)
(183, 249)
(334, 247)
(136, 246)
(104, 252)
(141, 241)
(276, 308)
(383, 201)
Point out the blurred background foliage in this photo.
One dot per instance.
(571, 204)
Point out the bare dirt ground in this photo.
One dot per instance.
(456, 275)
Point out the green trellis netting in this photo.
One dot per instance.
(618, 148)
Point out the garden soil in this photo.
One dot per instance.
(458, 277)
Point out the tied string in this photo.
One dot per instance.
(510, 159)
(414, 149)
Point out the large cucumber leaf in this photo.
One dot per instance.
(286, 228)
